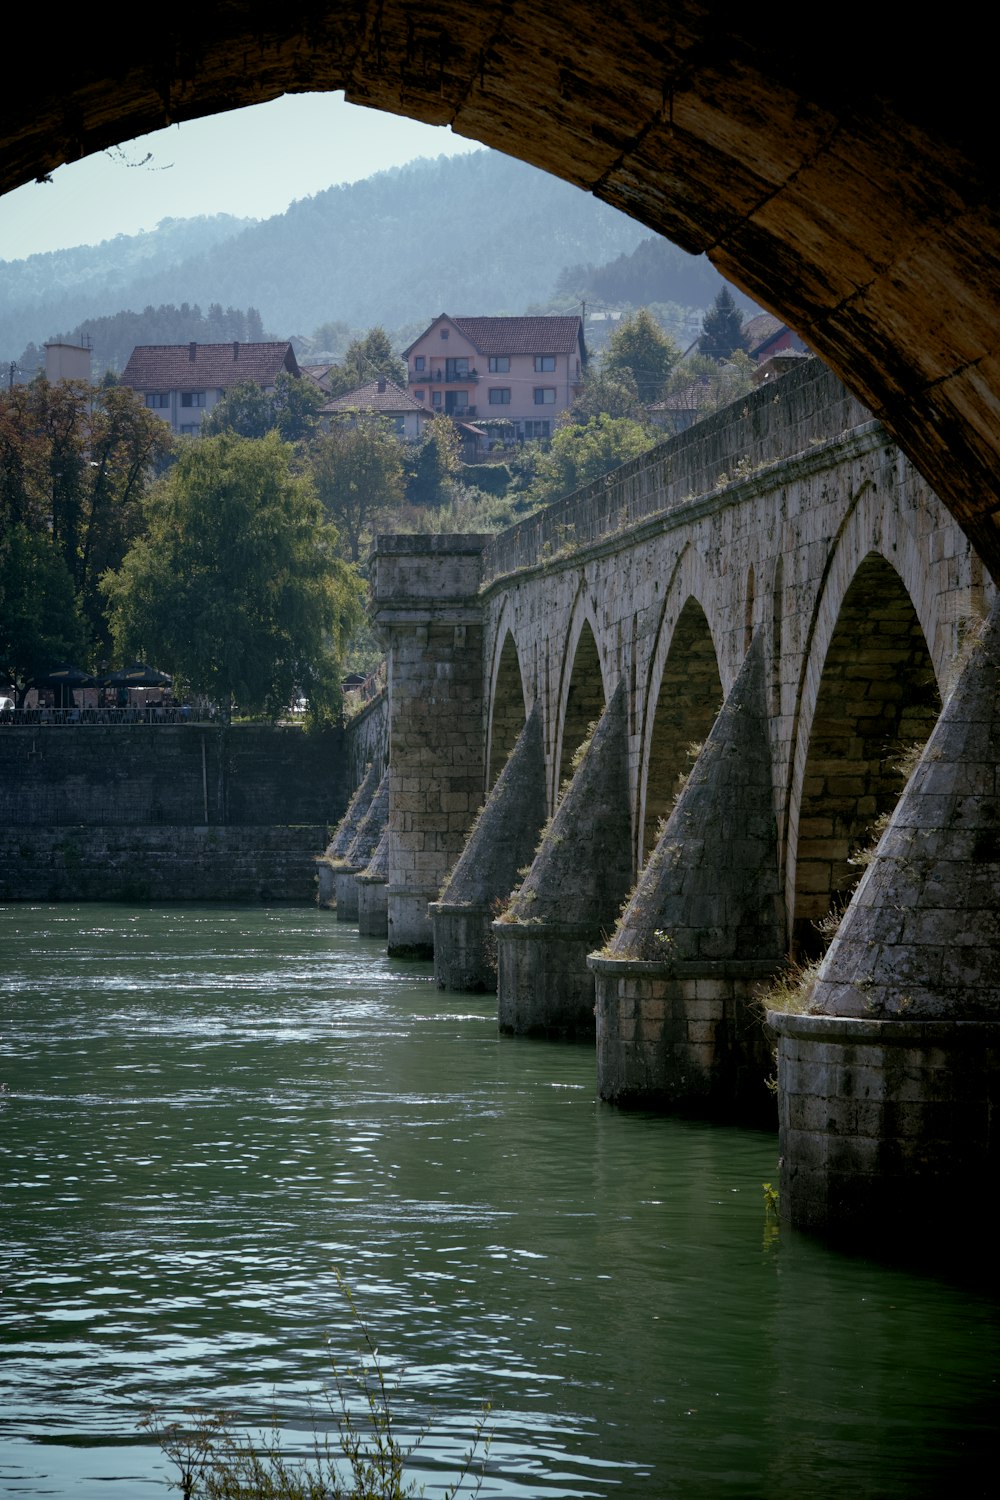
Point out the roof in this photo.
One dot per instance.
(196, 367)
(698, 396)
(540, 335)
(378, 395)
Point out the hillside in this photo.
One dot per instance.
(479, 232)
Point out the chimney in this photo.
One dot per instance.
(192, 350)
(236, 350)
(381, 385)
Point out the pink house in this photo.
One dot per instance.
(521, 372)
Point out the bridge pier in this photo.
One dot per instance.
(677, 1027)
(571, 895)
(344, 836)
(359, 852)
(373, 896)
(426, 609)
(501, 843)
(887, 1082)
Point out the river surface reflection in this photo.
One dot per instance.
(210, 1111)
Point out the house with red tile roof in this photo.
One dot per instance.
(381, 398)
(181, 382)
(517, 372)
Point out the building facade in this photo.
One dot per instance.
(181, 382)
(510, 376)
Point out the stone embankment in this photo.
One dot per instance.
(166, 812)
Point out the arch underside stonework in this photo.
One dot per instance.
(878, 701)
(851, 189)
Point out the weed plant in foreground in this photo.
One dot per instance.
(362, 1458)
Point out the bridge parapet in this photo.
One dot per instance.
(806, 407)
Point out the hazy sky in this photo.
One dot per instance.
(250, 162)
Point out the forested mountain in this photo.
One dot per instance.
(48, 294)
(474, 234)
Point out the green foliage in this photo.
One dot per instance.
(491, 479)
(610, 393)
(434, 465)
(247, 410)
(722, 334)
(40, 625)
(74, 463)
(364, 361)
(639, 348)
(580, 453)
(357, 469)
(236, 586)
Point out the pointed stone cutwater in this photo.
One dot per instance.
(571, 896)
(888, 1082)
(373, 891)
(358, 855)
(344, 835)
(501, 843)
(677, 1025)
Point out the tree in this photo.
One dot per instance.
(639, 347)
(237, 586)
(74, 463)
(430, 480)
(358, 473)
(580, 453)
(610, 393)
(365, 360)
(247, 410)
(40, 624)
(722, 331)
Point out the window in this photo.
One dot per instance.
(500, 395)
(190, 429)
(192, 398)
(545, 361)
(536, 429)
(545, 395)
(444, 333)
(456, 369)
(419, 364)
(436, 400)
(499, 364)
(418, 395)
(157, 399)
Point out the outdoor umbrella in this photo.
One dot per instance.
(138, 675)
(64, 679)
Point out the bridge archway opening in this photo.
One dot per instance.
(878, 701)
(507, 716)
(585, 703)
(873, 227)
(688, 700)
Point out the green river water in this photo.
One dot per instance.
(210, 1111)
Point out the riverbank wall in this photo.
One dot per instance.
(166, 812)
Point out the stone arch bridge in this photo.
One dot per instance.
(694, 687)
(849, 187)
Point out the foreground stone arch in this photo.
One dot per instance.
(877, 699)
(685, 695)
(582, 693)
(507, 704)
(850, 189)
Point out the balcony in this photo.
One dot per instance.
(440, 377)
